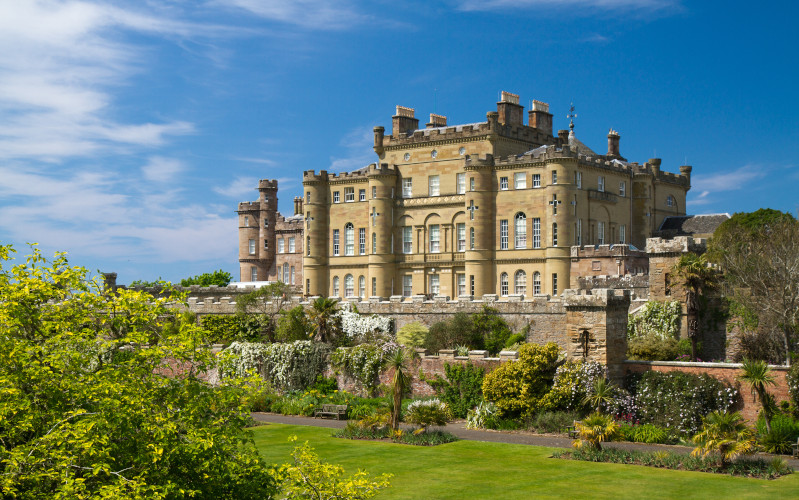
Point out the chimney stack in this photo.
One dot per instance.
(563, 136)
(379, 134)
(437, 121)
(403, 122)
(298, 205)
(613, 143)
(540, 117)
(510, 112)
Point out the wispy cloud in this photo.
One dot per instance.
(358, 143)
(734, 180)
(316, 14)
(575, 7)
(240, 188)
(160, 169)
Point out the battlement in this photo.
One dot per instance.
(292, 220)
(676, 245)
(267, 184)
(249, 206)
(598, 251)
(382, 169)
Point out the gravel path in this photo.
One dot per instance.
(513, 437)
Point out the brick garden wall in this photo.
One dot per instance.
(726, 372)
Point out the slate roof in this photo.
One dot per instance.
(690, 225)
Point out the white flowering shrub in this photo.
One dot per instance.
(680, 401)
(658, 319)
(574, 379)
(483, 416)
(425, 413)
(289, 366)
(358, 327)
(364, 362)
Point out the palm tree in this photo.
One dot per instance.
(323, 316)
(695, 276)
(602, 394)
(726, 434)
(400, 383)
(758, 375)
(595, 429)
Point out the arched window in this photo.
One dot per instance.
(362, 286)
(520, 226)
(349, 286)
(520, 282)
(503, 284)
(536, 283)
(335, 286)
(349, 239)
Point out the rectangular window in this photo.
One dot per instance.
(308, 286)
(554, 284)
(520, 232)
(362, 241)
(622, 189)
(407, 239)
(471, 285)
(471, 183)
(361, 195)
(292, 247)
(407, 187)
(266, 222)
(600, 233)
(374, 191)
(349, 240)
(434, 239)
(292, 275)
(471, 238)
(374, 243)
(536, 180)
(578, 179)
(266, 244)
(374, 287)
(280, 246)
(308, 197)
(554, 177)
(622, 234)
(336, 197)
(461, 283)
(460, 183)
(600, 184)
(536, 233)
(407, 285)
(554, 234)
(253, 273)
(433, 185)
(503, 183)
(335, 242)
(252, 247)
(461, 230)
(520, 180)
(349, 194)
(246, 221)
(435, 287)
(578, 233)
(503, 234)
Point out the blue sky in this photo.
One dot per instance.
(129, 131)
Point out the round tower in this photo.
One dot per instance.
(317, 228)
(557, 232)
(382, 267)
(480, 218)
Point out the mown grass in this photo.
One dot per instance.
(471, 469)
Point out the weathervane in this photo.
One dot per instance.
(571, 116)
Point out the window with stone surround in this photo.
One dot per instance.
(407, 285)
(622, 189)
(622, 234)
(349, 194)
(335, 241)
(600, 183)
(251, 245)
(520, 283)
(435, 238)
(407, 187)
(520, 180)
(349, 239)
(460, 183)
(292, 247)
(503, 183)
(361, 195)
(461, 230)
(362, 241)
(335, 286)
(536, 232)
(349, 286)
(461, 284)
(434, 189)
(554, 234)
(503, 284)
(536, 283)
(407, 239)
(536, 180)
(361, 286)
(520, 231)
(554, 284)
(253, 273)
(336, 197)
(280, 246)
(435, 287)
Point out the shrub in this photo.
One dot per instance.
(462, 389)
(325, 385)
(233, 328)
(553, 421)
(573, 382)
(653, 348)
(519, 388)
(724, 435)
(293, 325)
(457, 331)
(363, 362)
(425, 413)
(490, 326)
(360, 328)
(412, 334)
(784, 432)
(679, 400)
(516, 338)
(659, 319)
(595, 429)
(483, 416)
(293, 366)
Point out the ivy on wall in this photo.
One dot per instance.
(289, 366)
(658, 319)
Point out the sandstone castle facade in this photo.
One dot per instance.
(487, 208)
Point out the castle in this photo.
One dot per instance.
(469, 210)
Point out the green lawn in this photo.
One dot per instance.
(470, 469)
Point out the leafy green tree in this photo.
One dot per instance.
(462, 389)
(266, 304)
(489, 325)
(758, 375)
(412, 334)
(400, 382)
(88, 406)
(324, 320)
(758, 254)
(594, 430)
(218, 278)
(694, 274)
(724, 434)
(309, 477)
(293, 325)
(457, 331)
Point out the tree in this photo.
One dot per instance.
(725, 434)
(759, 377)
(266, 302)
(218, 278)
(759, 256)
(87, 407)
(694, 274)
(400, 383)
(323, 316)
(602, 394)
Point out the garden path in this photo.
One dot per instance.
(513, 437)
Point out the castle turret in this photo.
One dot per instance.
(382, 183)
(481, 219)
(317, 229)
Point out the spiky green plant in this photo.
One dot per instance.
(724, 434)
(602, 394)
(595, 429)
(400, 382)
(758, 375)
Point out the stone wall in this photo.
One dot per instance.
(638, 284)
(727, 372)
